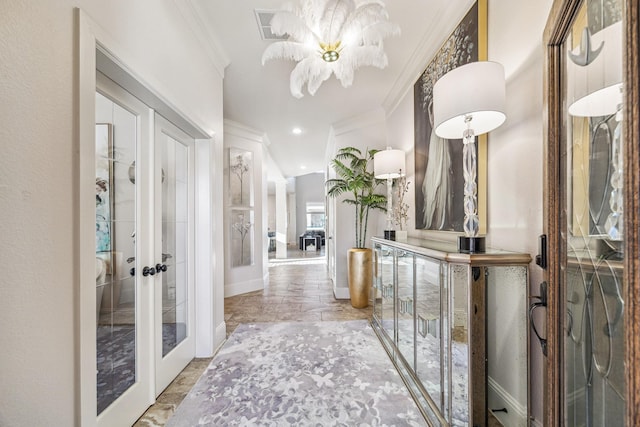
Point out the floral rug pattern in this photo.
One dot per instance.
(302, 374)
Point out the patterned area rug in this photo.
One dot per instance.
(302, 374)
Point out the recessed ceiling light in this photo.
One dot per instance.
(303, 167)
(296, 131)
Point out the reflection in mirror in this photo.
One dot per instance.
(507, 344)
(593, 279)
(432, 330)
(460, 361)
(115, 244)
(405, 308)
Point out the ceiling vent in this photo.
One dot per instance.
(263, 18)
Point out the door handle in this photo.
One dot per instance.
(533, 307)
(161, 268)
(148, 271)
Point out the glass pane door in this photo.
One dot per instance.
(115, 246)
(592, 263)
(175, 201)
(174, 301)
(123, 386)
(406, 335)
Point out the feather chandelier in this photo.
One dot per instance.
(330, 37)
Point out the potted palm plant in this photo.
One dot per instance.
(353, 177)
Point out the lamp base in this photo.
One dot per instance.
(390, 234)
(471, 245)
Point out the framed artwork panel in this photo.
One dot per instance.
(439, 180)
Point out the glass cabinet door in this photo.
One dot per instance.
(459, 276)
(432, 331)
(405, 309)
(377, 283)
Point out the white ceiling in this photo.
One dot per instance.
(258, 96)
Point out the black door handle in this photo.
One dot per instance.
(161, 268)
(148, 271)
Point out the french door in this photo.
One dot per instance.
(592, 213)
(174, 287)
(144, 272)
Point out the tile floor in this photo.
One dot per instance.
(299, 290)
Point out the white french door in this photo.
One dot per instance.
(174, 287)
(144, 267)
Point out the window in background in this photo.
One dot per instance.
(315, 216)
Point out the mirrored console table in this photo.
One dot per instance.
(455, 326)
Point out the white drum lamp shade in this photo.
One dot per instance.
(595, 89)
(476, 89)
(389, 164)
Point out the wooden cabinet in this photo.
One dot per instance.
(430, 312)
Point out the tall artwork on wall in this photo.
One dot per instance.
(241, 213)
(439, 180)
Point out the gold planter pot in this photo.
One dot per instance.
(359, 270)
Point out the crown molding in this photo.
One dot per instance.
(243, 131)
(432, 40)
(192, 13)
(360, 121)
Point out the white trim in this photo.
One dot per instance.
(204, 269)
(369, 118)
(340, 292)
(221, 337)
(242, 131)
(85, 224)
(218, 258)
(516, 413)
(233, 289)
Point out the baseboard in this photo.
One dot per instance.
(233, 289)
(498, 397)
(341, 292)
(221, 336)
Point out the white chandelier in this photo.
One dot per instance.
(330, 36)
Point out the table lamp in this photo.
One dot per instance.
(469, 101)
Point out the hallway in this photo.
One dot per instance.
(299, 289)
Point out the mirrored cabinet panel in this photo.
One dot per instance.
(432, 310)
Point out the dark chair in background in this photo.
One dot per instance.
(311, 237)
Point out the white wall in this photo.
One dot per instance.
(38, 186)
(309, 189)
(291, 219)
(364, 132)
(514, 218)
(515, 150)
(271, 212)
